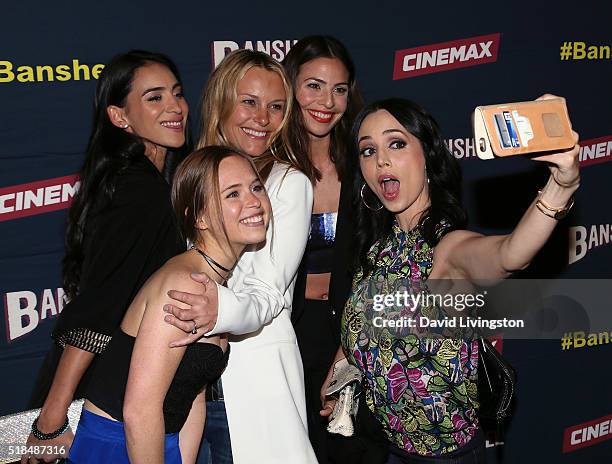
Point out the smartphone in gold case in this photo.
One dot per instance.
(524, 127)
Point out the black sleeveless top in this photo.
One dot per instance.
(202, 364)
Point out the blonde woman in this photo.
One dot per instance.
(247, 103)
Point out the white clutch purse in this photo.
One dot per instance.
(345, 379)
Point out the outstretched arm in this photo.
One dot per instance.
(474, 256)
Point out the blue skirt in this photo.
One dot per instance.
(100, 440)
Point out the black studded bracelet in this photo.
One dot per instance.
(49, 436)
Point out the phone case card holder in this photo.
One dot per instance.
(520, 128)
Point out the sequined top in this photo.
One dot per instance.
(319, 254)
(422, 390)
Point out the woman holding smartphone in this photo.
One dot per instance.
(411, 230)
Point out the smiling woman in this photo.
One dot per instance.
(258, 112)
(120, 227)
(144, 395)
(155, 110)
(325, 102)
(246, 103)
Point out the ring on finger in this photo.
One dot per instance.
(195, 328)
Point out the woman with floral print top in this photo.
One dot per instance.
(410, 228)
(422, 390)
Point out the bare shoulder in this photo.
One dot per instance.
(446, 250)
(456, 237)
(175, 275)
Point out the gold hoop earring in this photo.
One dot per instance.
(364, 202)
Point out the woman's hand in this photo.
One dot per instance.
(328, 403)
(481, 258)
(60, 444)
(200, 317)
(70, 370)
(564, 166)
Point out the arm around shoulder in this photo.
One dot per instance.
(273, 267)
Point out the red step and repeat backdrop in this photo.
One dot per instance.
(450, 57)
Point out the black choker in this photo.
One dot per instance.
(212, 263)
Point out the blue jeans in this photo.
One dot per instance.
(216, 447)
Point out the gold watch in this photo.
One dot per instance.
(553, 212)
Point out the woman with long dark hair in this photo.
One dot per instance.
(326, 100)
(410, 225)
(120, 228)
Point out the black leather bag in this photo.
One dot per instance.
(496, 388)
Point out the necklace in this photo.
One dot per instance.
(213, 264)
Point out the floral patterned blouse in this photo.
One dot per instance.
(422, 390)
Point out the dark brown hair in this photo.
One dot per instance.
(308, 49)
(110, 152)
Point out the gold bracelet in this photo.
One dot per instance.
(556, 213)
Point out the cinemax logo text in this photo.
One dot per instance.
(595, 151)
(33, 198)
(587, 434)
(444, 56)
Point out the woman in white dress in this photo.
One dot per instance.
(247, 104)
